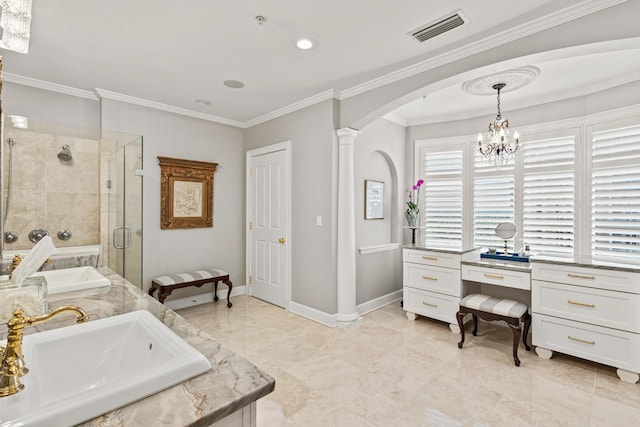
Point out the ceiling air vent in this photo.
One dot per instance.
(439, 26)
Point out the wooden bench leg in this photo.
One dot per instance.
(230, 286)
(215, 291)
(516, 340)
(527, 325)
(165, 291)
(475, 324)
(460, 318)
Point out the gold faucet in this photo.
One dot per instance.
(13, 366)
(17, 259)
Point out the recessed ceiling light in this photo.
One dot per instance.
(235, 84)
(203, 102)
(305, 43)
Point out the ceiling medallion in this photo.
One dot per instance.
(512, 79)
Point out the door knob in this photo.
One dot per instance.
(282, 240)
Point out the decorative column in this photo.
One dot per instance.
(346, 264)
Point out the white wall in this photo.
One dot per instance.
(172, 135)
(379, 156)
(52, 107)
(314, 147)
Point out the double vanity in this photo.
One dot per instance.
(580, 306)
(135, 352)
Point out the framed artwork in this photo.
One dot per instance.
(373, 199)
(186, 193)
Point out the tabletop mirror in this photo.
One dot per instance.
(505, 231)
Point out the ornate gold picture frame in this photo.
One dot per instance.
(186, 193)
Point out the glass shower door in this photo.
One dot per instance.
(125, 211)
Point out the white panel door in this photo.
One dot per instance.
(268, 239)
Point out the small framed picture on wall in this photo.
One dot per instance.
(373, 199)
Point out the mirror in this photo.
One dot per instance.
(505, 231)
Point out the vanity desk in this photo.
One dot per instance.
(431, 282)
(580, 306)
(587, 308)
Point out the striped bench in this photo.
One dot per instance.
(167, 284)
(493, 308)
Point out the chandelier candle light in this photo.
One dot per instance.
(499, 148)
(413, 210)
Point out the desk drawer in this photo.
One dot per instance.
(496, 276)
(608, 346)
(430, 304)
(601, 278)
(596, 306)
(437, 259)
(434, 279)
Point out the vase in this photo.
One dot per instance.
(412, 216)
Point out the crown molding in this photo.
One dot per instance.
(531, 102)
(560, 17)
(396, 119)
(565, 15)
(106, 94)
(322, 96)
(53, 87)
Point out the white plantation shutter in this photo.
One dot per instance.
(548, 195)
(493, 203)
(615, 193)
(443, 198)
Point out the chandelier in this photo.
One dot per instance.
(499, 148)
(16, 24)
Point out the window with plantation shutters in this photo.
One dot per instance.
(548, 190)
(615, 193)
(443, 198)
(493, 203)
(573, 188)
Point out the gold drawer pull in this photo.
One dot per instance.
(582, 341)
(493, 276)
(430, 258)
(430, 305)
(583, 304)
(429, 278)
(579, 276)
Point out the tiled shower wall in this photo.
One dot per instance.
(51, 194)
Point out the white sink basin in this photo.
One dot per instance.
(73, 279)
(79, 372)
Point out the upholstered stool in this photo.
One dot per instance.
(167, 284)
(492, 308)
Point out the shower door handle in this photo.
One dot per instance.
(127, 234)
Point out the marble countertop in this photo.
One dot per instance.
(496, 263)
(444, 250)
(579, 260)
(232, 383)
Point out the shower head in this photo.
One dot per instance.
(11, 141)
(65, 154)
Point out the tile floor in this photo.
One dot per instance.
(389, 371)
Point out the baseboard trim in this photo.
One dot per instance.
(331, 320)
(326, 319)
(190, 301)
(379, 302)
